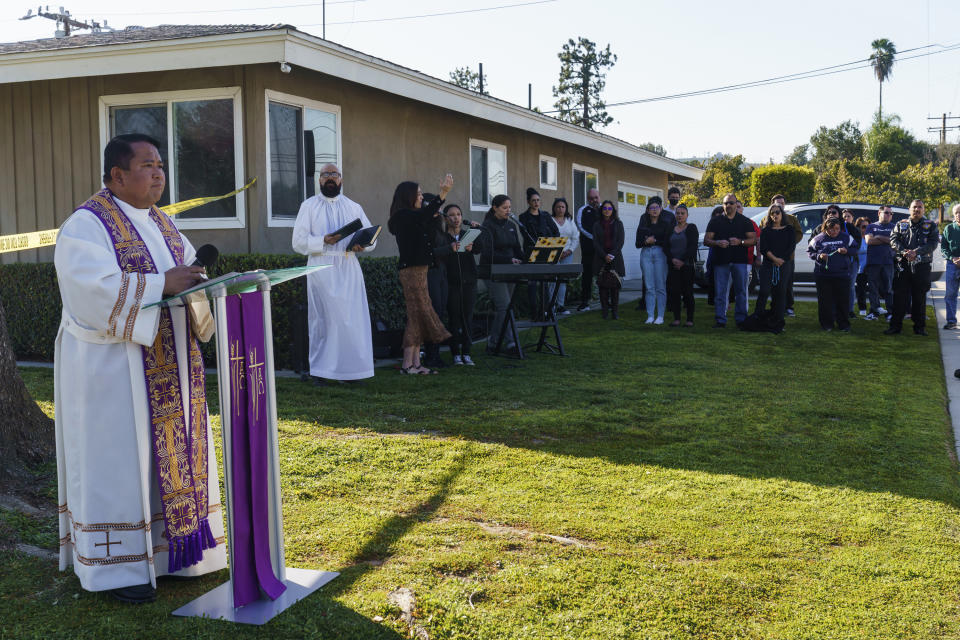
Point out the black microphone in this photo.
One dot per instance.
(206, 256)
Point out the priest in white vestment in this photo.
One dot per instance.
(112, 524)
(341, 342)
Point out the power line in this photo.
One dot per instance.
(434, 15)
(803, 75)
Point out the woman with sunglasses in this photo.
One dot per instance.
(776, 245)
(608, 236)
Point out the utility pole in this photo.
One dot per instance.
(530, 96)
(65, 23)
(943, 128)
(324, 19)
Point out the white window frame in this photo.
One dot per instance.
(303, 103)
(169, 97)
(573, 180)
(474, 142)
(556, 172)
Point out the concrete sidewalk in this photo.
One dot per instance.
(950, 352)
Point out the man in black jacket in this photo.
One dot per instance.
(586, 217)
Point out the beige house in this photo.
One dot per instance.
(230, 103)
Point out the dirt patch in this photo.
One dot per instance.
(503, 530)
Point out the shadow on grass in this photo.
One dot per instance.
(828, 409)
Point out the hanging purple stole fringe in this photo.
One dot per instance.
(252, 569)
(179, 454)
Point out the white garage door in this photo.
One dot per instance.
(631, 202)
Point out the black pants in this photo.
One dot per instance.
(588, 276)
(833, 301)
(793, 272)
(680, 289)
(460, 313)
(609, 300)
(862, 291)
(776, 292)
(910, 286)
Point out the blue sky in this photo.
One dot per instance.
(663, 48)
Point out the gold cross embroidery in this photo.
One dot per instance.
(107, 543)
(257, 386)
(237, 374)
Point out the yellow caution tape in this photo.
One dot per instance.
(185, 205)
(38, 239)
(22, 241)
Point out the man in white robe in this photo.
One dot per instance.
(341, 342)
(112, 527)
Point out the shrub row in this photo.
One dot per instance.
(31, 301)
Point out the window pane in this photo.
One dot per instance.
(619, 196)
(286, 160)
(579, 195)
(478, 176)
(497, 171)
(544, 170)
(320, 137)
(548, 173)
(204, 155)
(591, 179)
(147, 119)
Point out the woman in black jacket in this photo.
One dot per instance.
(414, 226)
(462, 285)
(777, 243)
(608, 237)
(681, 257)
(498, 244)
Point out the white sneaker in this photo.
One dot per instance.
(870, 316)
(650, 320)
(863, 312)
(468, 361)
(658, 320)
(458, 360)
(881, 311)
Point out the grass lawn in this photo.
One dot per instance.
(657, 483)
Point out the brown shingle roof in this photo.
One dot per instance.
(135, 34)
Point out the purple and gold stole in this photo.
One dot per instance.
(179, 454)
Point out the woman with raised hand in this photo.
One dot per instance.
(608, 237)
(412, 222)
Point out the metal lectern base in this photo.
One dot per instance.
(218, 604)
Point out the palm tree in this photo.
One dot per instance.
(882, 58)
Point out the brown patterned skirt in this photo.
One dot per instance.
(423, 325)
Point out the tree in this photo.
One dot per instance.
(794, 183)
(843, 142)
(882, 58)
(654, 148)
(721, 174)
(887, 141)
(26, 433)
(467, 78)
(799, 157)
(581, 82)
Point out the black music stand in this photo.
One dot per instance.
(549, 319)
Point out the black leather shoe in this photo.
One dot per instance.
(319, 382)
(137, 594)
(920, 332)
(892, 331)
(719, 325)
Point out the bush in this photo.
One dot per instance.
(31, 300)
(795, 183)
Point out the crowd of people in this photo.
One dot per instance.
(880, 267)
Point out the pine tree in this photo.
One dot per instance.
(582, 73)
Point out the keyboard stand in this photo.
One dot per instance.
(511, 324)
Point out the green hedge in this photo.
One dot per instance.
(31, 301)
(795, 183)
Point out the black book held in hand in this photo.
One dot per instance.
(351, 227)
(365, 237)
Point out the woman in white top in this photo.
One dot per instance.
(568, 230)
